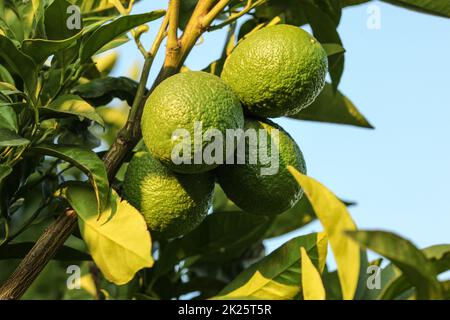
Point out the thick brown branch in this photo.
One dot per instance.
(35, 261)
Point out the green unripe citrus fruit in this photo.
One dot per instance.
(183, 107)
(276, 71)
(172, 204)
(258, 193)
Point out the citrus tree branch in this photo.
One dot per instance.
(216, 10)
(251, 4)
(174, 16)
(58, 232)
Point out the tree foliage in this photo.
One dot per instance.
(56, 112)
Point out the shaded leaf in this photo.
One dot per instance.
(20, 63)
(86, 161)
(312, 285)
(109, 31)
(8, 118)
(10, 138)
(4, 171)
(325, 30)
(435, 7)
(41, 49)
(333, 107)
(278, 276)
(56, 21)
(335, 219)
(221, 233)
(20, 250)
(439, 255)
(102, 91)
(296, 217)
(410, 260)
(119, 241)
(73, 105)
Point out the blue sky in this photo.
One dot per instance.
(398, 76)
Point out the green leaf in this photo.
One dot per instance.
(4, 171)
(325, 30)
(19, 62)
(296, 217)
(333, 48)
(5, 76)
(411, 261)
(20, 250)
(221, 234)
(333, 107)
(347, 3)
(101, 91)
(335, 219)
(312, 285)
(55, 21)
(85, 160)
(8, 118)
(12, 139)
(289, 9)
(108, 32)
(435, 7)
(186, 9)
(119, 241)
(74, 105)
(278, 276)
(439, 255)
(41, 49)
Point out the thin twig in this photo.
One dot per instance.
(249, 6)
(218, 8)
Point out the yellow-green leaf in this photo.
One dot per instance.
(335, 219)
(278, 276)
(312, 285)
(119, 241)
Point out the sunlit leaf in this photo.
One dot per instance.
(278, 276)
(335, 219)
(312, 285)
(119, 241)
(73, 105)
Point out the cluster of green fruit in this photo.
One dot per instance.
(274, 72)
